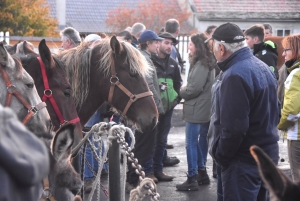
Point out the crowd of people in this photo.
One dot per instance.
(229, 104)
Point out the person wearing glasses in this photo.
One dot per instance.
(290, 113)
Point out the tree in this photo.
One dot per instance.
(27, 18)
(153, 14)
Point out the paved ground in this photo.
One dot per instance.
(168, 191)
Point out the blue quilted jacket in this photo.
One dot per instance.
(247, 109)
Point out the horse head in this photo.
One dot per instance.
(25, 48)
(280, 186)
(94, 71)
(18, 91)
(131, 68)
(64, 181)
(53, 87)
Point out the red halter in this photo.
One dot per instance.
(48, 95)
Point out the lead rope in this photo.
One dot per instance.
(146, 187)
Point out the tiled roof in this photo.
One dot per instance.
(247, 5)
(88, 16)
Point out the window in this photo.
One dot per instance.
(283, 32)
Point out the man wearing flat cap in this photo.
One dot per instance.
(169, 80)
(247, 113)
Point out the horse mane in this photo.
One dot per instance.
(78, 63)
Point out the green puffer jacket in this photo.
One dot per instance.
(168, 71)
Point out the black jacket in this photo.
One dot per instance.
(267, 52)
(168, 70)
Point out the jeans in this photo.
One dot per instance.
(163, 129)
(294, 157)
(196, 146)
(241, 182)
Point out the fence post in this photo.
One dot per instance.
(114, 171)
(7, 37)
(1, 36)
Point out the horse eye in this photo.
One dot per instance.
(133, 75)
(30, 85)
(67, 93)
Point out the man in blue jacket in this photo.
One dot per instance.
(247, 113)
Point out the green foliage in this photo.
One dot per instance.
(27, 18)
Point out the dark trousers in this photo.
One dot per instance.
(164, 127)
(241, 182)
(143, 151)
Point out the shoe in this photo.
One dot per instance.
(88, 185)
(203, 177)
(169, 146)
(170, 161)
(151, 176)
(129, 187)
(190, 184)
(161, 176)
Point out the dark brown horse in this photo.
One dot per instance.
(58, 94)
(53, 87)
(115, 67)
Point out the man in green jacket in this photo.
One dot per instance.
(169, 80)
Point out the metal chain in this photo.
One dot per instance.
(138, 168)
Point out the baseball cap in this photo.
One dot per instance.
(169, 36)
(228, 33)
(148, 35)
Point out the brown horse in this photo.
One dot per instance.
(57, 93)
(279, 185)
(114, 72)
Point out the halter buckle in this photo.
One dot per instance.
(11, 89)
(46, 193)
(33, 109)
(63, 123)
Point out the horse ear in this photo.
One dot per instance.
(45, 54)
(27, 49)
(274, 178)
(62, 142)
(115, 45)
(3, 55)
